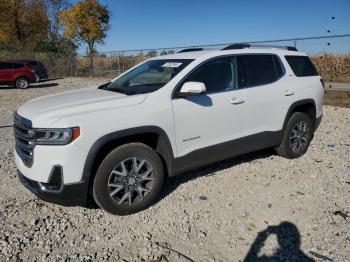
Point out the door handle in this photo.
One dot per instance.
(288, 93)
(237, 101)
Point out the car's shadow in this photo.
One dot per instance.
(32, 86)
(172, 183)
(43, 85)
(51, 79)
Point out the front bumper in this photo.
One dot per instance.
(69, 195)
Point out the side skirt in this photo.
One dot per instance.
(222, 151)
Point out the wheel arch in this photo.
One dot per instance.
(153, 136)
(307, 106)
(21, 76)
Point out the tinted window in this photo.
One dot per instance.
(218, 75)
(241, 74)
(5, 66)
(278, 67)
(260, 69)
(16, 65)
(301, 66)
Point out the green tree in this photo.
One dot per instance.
(88, 22)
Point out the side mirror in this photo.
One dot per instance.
(192, 89)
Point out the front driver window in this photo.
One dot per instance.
(218, 75)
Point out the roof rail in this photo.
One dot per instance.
(246, 45)
(291, 48)
(190, 50)
(237, 46)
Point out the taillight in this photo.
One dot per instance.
(322, 82)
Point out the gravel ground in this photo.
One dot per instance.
(259, 204)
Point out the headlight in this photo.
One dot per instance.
(56, 136)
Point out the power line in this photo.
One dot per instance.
(223, 44)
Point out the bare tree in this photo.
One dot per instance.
(54, 7)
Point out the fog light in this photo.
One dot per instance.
(55, 183)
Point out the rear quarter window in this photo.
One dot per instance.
(301, 66)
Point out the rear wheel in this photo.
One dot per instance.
(22, 83)
(129, 179)
(297, 136)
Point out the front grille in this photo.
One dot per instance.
(24, 139)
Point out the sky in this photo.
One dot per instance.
(137, 24)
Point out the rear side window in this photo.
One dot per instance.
(301, 66)
(261, 69)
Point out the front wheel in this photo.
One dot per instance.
(22, 83)
(297, 136)
(129, 179)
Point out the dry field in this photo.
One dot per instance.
(333, 68)
(257, 206)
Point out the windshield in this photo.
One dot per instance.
(147, 77)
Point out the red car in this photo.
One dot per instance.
(18, 73)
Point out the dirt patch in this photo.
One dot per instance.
(257, 206)
(337, 98)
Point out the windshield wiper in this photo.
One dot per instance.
(114, 88)
(104, 85)
(120, 90)
(123, 91)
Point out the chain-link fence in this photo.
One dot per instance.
(331, 54)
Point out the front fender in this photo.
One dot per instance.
(163, 147)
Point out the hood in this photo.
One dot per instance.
(48, 109)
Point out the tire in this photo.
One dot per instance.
(22, 83)
(297, 136)
(118, 189)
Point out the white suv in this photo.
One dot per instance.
(117, 143)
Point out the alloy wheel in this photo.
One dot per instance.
(22, 83)
(299, 137)
(130, 181)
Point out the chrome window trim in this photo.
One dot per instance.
(181, 82)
